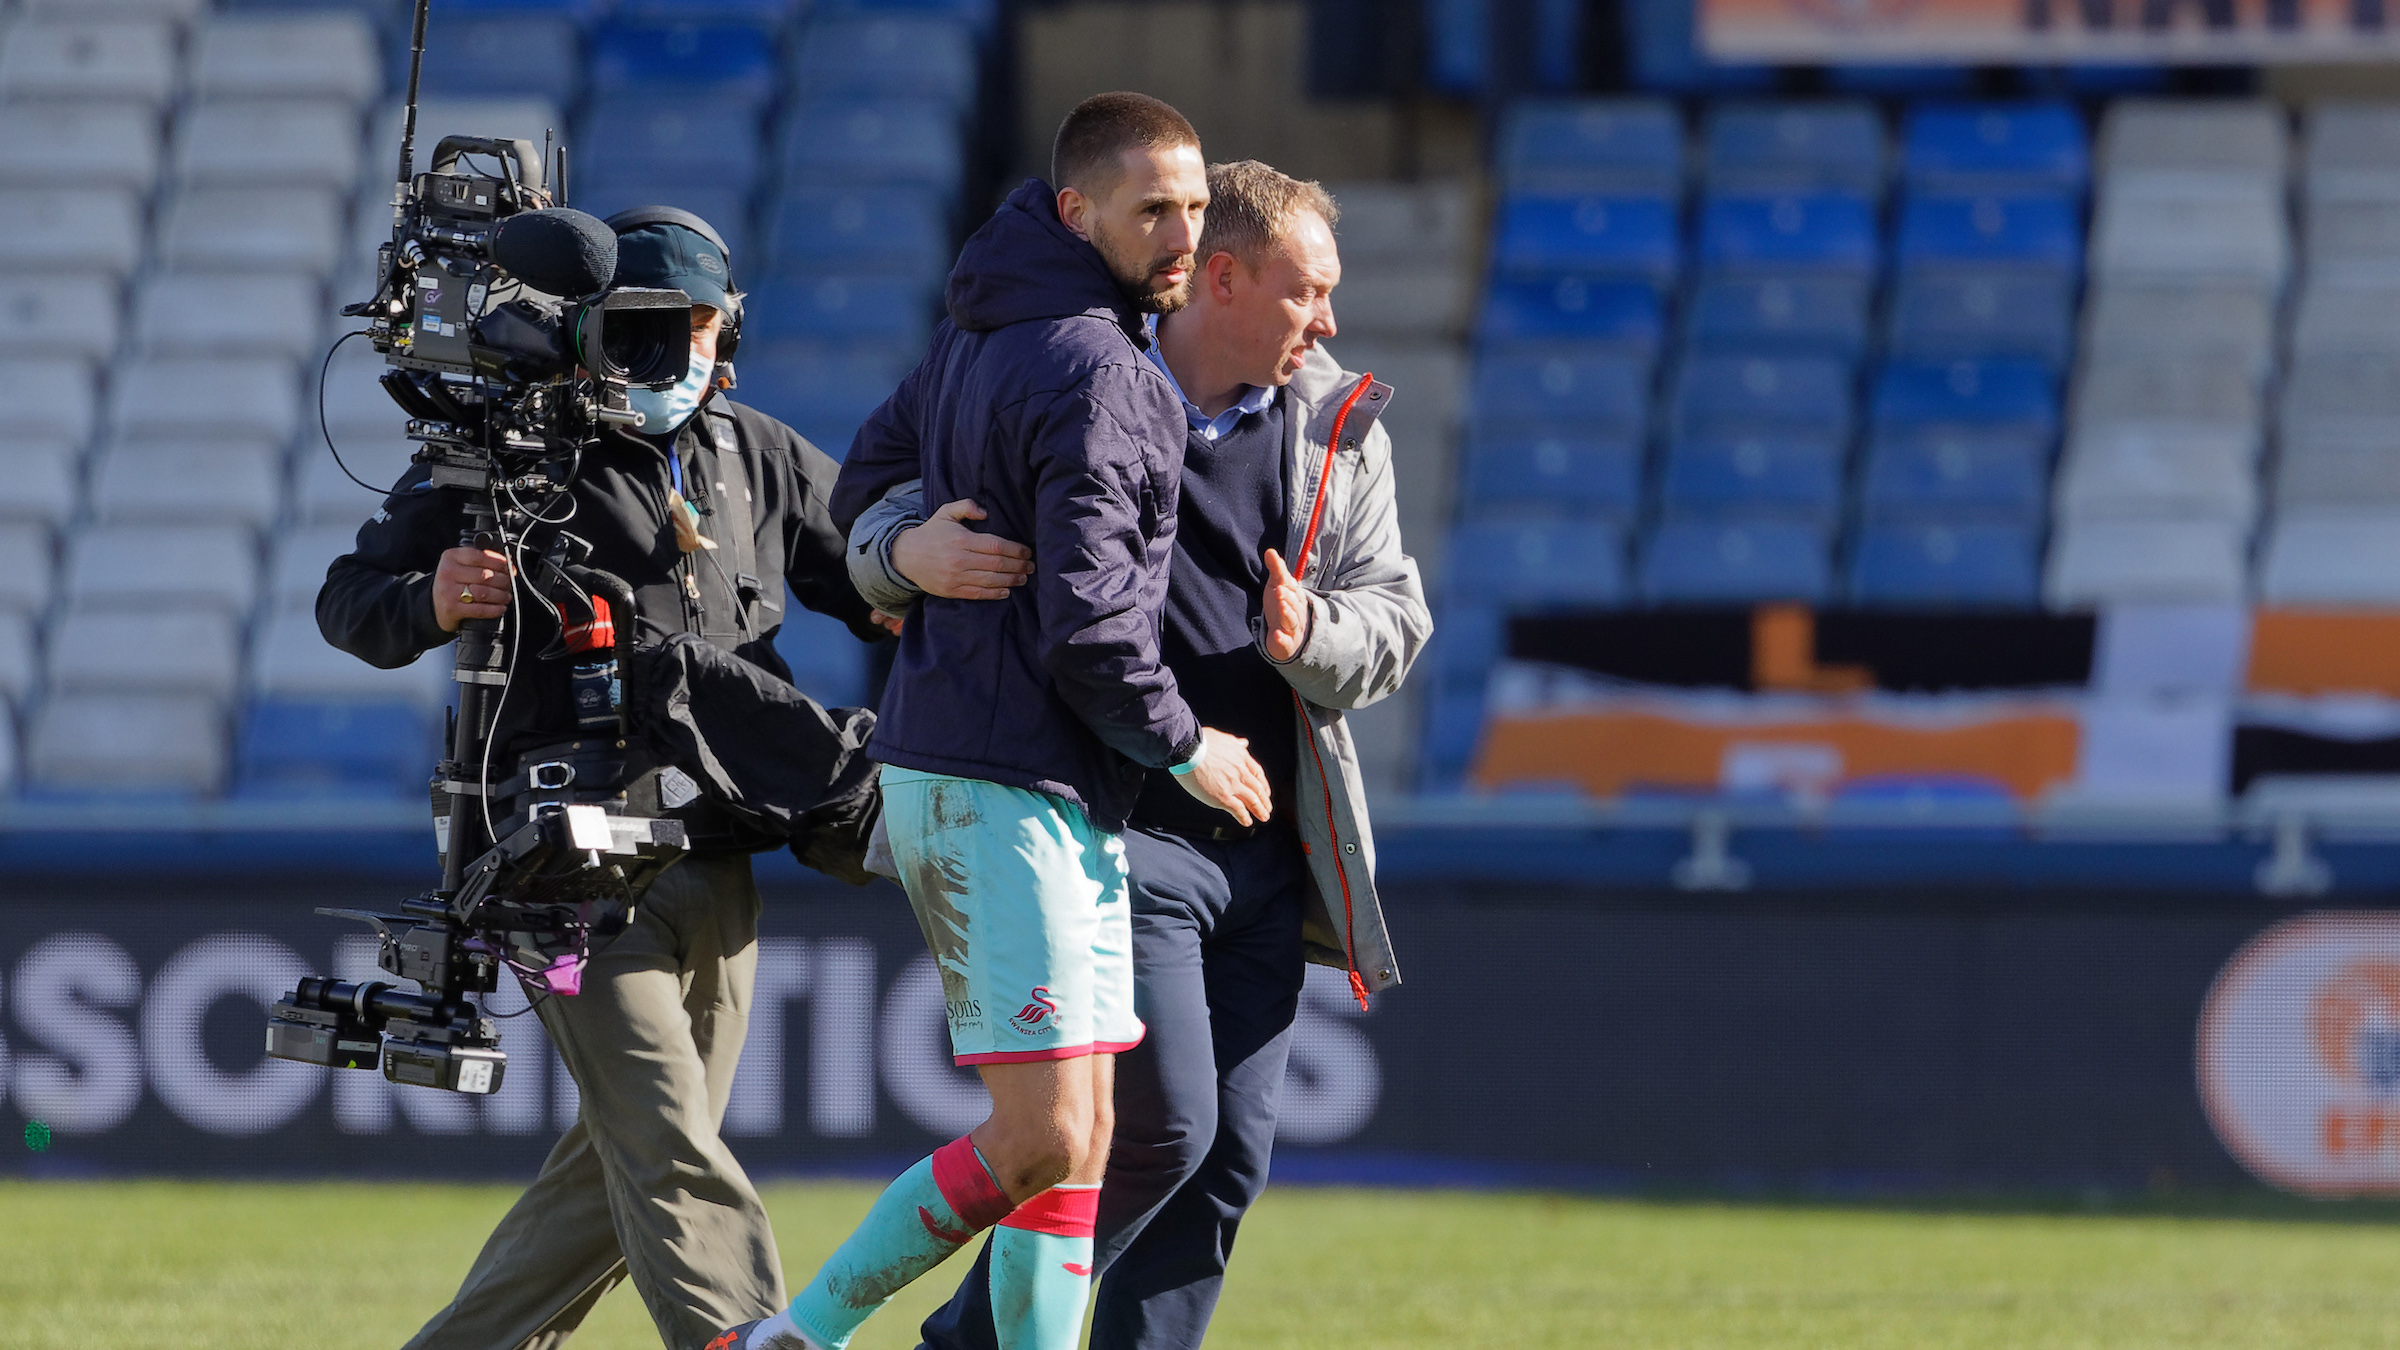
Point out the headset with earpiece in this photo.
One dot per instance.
(625, 222)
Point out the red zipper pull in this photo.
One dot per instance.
(1358, 989)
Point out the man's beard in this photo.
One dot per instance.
(1137, 281)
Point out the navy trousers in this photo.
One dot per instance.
(1217, 968)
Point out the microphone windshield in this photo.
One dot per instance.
(558, 251)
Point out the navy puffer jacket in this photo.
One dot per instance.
(1036, 401)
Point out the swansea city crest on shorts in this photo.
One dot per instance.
(1038, 1016)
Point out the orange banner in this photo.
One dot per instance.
(2048, 32)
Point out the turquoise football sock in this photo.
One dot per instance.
(1042, 1269)
(930, 1212)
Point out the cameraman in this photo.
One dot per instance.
(641, 1184)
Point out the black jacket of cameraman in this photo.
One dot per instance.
(377, 601)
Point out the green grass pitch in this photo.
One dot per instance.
(330, 1267)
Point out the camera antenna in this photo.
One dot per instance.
(408, 120)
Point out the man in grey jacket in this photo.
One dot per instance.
(1290, 601)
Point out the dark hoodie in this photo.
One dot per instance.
(1036, 401)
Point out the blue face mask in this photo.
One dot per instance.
(663, 410)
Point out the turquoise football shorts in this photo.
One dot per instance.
(1024, 906)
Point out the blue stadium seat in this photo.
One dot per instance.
(891, 229)
(1812, 314)
(1925, 474)
(1907, 81)
(1815, 393)
(1537, 562)
(307, 746)
(890, 56)
(844, 144)
(769, 15)
(1588, 476)
(1697, 563)
(669, 140)
(1942, 565)
(1454, 716)
(1622, 314)
(828, 662)
(890, 309)
(1951, 315)
(574, 9)
(527, 54)
(1601, 238)
(1600, 392)
(824, 390)
(977, 14)
(724, 62)
(1767, 476)
(2031, 230)
(1967, 393)
(1467, 639)
(1995, 147)
(1831, 232)
(1769, 148)
(1631, 146)
(1663, 54)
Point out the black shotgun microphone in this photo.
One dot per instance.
(559, 251)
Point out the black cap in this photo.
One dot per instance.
(673, 256)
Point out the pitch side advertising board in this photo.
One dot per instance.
(2048, 32)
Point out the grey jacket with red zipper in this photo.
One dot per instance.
(1367, 623)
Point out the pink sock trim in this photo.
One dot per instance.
(1064, 1211)
(967, 1185)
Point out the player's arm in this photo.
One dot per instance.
(1346, 636)
(898, 554)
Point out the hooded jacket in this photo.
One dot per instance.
(1035, 400)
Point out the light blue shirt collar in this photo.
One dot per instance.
(1255, 398)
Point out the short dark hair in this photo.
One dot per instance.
(1093, 140)
(1251, 208)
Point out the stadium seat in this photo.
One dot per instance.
(828, 662)
(211, 568)
(531, 55)
(58, 230)
(2182, 319)
(767, 15)
(20, 663)
(251, 143)
(137, 743)
(2145, 561)
(824, 390)
(2030, 231)
(25, 566)
(1537, 312)
(1821, 231)
(320, 55)
(2338, 466)
(323, 495)
(872, 229)
(1771, 148)
(78, 144)
(2353, 152)
(1769, 476)
(2140, 474)
(843, 144)
(181, 11)
(89, 58)
(1695, 563)
(297, 229)
(887, 56)
(1983, 314)
(1592, 476)
(1951, 474)
(196, 396)
(2187, 141)
(50, 400)
(1608, 393)
(2188, 396)
(43, 481)
(1538, 562)
(727, 63)
(1632, 146)
(203, 482)
(1432, 224)
(228, 314)
(1408, 303)
(1454, 720)
(59, 314)
(1598, 238)
(291, 747)
(296, 569)
(1467, 639)
(887, 309)
(1994, 147)
(1946, 565)
(145, 651)
(669, 142)
(1967, 393)
(291, 659)
(2337, 319)
(2353, 241)
(2233, 233)
(2359, 394)
(1780, 315)
(1811, 393)
(2333, 556)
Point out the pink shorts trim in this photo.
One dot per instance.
(1056, 1052)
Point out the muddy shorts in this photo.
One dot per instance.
(1024, 906)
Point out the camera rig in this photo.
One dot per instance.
(504, 382)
